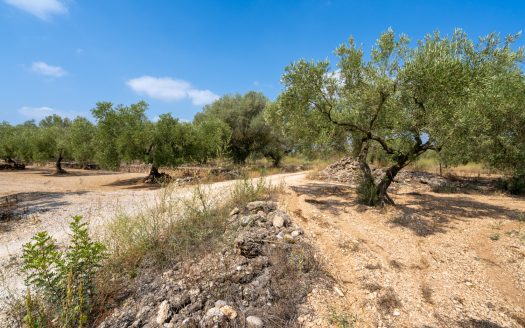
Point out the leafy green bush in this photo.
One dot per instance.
(367, 192)
(62, 281)
(516, 185)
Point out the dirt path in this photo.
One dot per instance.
(52, 201)
(435, 260)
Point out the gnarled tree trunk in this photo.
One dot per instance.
(155, 176)
(58, 165)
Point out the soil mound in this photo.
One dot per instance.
(257, 278)
(347, 171)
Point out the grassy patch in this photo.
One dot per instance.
(495, 236)
(342, 320)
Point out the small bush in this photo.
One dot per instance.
(342, 320)
(367, 192)
(61, 284)
(516, 185)
(245, 191)
(495, 236)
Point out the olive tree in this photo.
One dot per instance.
(8, 142)
(407, 100)
(122, 133)
(51, 141)
(239, 113)
(165, 145)
(81, 139)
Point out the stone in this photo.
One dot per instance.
(280, 235)
(338, 291)
(246, 220)
(212, 318)
(229, 312)
(189, 323)
(296, 233)
(163, 312)
(261, 206)
(397, 313)
(278, 221)
(288, 238)
(254, 322)
(249, 244)
(235, 211)
(220, 303)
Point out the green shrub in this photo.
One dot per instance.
(61, 284)
(495, 236)
(367, 192)
(516, 185)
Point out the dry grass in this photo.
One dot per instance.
(170, 228)
(388, 301)
(427, 292)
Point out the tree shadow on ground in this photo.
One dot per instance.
(424, 214)
(134, 183)
(20, 206)
(322, 190)
(38, 201)
(333, 206)
(475, 323)
(319, 191)
(429, 214)
(76, 173)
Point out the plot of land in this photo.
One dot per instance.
(434, 260)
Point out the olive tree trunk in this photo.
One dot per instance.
(58, 164)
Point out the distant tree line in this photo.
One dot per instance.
(232, 127)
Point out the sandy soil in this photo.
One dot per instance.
(435, 260)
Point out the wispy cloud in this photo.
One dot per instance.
(48, 70)
(43, 9)
(168, 89)
(38, 113)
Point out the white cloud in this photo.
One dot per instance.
(202, 97)
(38, 113)
(168, 89)
(48, 70)
(42, 9)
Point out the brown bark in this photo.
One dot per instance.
(155, 176)
(58, 165)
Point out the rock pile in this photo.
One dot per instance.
(12, 165)
(258, 279)
(347, 170)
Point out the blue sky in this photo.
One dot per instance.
(63, 56)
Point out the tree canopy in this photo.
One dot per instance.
(407, 100)
(249, 131)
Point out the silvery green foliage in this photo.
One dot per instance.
(446, 93)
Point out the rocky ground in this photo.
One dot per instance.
(347, 171)
(258, 278)
(433, 260)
